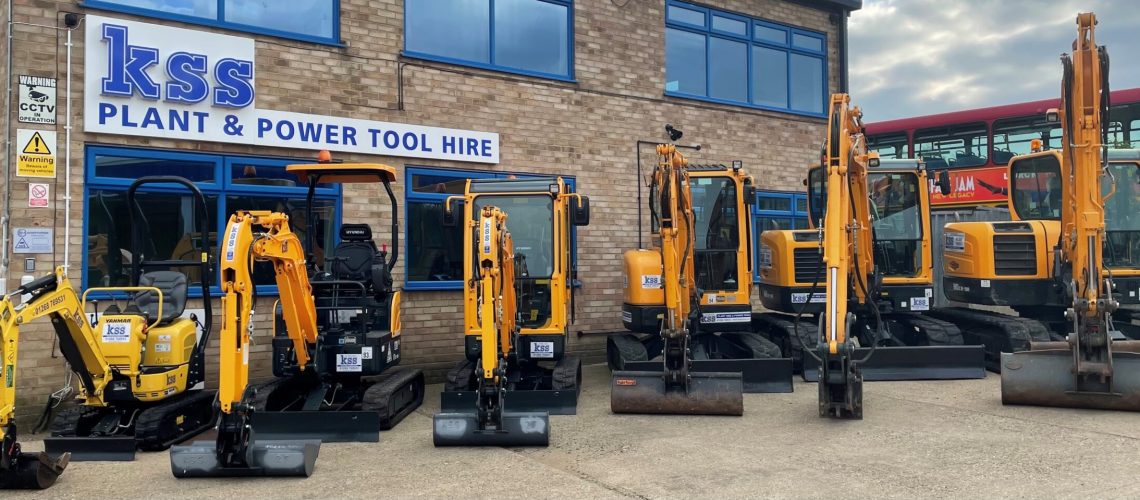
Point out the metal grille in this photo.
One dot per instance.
(1015, 255)
(806, 262)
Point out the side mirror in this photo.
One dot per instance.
(580, 211)
(449, 219)
(944, 182)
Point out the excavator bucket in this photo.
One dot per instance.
(323, 426)
(953, 362)
(517, 429)
(93, 449)
(33, 471)
(1043, 377)
(709, 393)
(269, 458)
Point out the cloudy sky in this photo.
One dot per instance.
(916, 57)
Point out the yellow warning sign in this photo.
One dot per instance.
(37, 153)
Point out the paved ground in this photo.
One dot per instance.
(918, 440)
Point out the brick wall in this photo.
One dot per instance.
(586, 129)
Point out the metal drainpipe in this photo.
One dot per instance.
(6, 217)
(843, 15)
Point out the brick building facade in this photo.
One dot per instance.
(580, 119)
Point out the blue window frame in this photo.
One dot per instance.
(315, 21)
(435, 253)
(229, 183)
(529, 37)
(723, 57)
(777, 210)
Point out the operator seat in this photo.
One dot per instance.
(173, 286)
(353, 256)
(356, 259)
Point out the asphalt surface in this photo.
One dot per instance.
(918, 440)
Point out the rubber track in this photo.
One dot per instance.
(461, 377)
(567, 374)
(378, 396)
(153, 428)
(786, 325)
(66, 422)
(927, 324)
(996, 331)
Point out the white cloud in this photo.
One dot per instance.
(916, 57)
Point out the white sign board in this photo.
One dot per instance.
(37, 100)
(159, 81)
(38, 196)
(32, 240)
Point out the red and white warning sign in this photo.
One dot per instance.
(38, 195)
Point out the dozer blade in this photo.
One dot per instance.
(518, 429)
(758, 376)
(1044, 378)
(914, 363)
(516, 401)
(646, 392)
(271, 458)
(323, 426)
(93, 449)
(33, 471)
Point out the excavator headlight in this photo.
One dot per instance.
(1052, 116)
(873, 162)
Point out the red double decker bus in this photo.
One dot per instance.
(975, 145)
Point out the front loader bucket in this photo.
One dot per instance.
(515, 401)
(758, 376)
(270, 458)
(951, 362)
(518, 429)
(33, 471)
(1044, 378)
(93, 449)
(322, 426)
(646, 392)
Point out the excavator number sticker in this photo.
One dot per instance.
(349, 363)
(231, 243)
(955, 242)
(542, 349)
(116, 333)
(366, 352)
(764, 259)
(487, 236)
(651, 281)
(919, 304)
(162, 348)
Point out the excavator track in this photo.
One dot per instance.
(928, 331)
(395, 396)
(781, 329)
(996, 331)
(171, 422)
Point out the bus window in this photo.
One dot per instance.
(958, 146)
(888, 145)
(1012, 136)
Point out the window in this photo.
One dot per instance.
(955, 146)
(531, 37)
(229, 183)
(728, 58)
(897, 222)
(1036, 188)
(435, 252)
(1013, 135)
(309, 20)
(776, 210)
(889, 145)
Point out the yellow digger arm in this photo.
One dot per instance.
(847, 243)
(497, 303)
(671, 179)
(280, 246)
(52, 295)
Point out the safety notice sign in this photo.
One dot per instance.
(35, 153)
(37, 100)
(32, 240)
(37, 195)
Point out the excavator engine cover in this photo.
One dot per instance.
(275, 458)
(1043, 377)
(647, 392)
(517, 429)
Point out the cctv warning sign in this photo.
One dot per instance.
(37, 100)
(36, 154)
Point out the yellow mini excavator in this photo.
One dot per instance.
(912, 344)
(518, 298)
(334, 352)
(687, 300)
(1094, 366)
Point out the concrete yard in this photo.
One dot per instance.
(918, 440)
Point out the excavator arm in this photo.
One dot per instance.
(848, 258)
